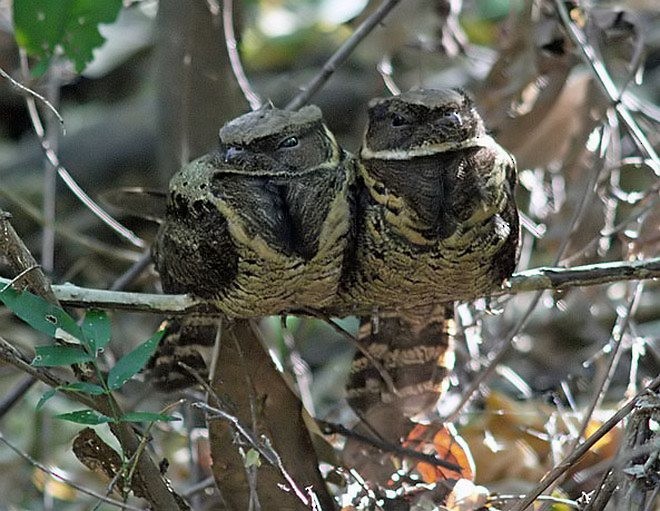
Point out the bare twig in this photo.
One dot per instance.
(607, 85)
(384, 68)
(29, 91)
(364, 350)
(53, 159)
(329, 428)
(51, 137)
(234, 58)
(52, 473)
(525, 281)
(15, 394)
(341, 54)
(571, 459)
(132, 273)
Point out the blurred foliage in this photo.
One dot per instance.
(536, 98)
(43, 27)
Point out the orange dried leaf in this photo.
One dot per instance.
(447, 445)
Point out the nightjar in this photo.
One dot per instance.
(261, 225)
(436, 222)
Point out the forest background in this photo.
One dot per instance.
(124, 94)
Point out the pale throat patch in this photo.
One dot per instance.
(429, 149)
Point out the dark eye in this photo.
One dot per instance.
(398, 120)
(453, 117)
(288, 142)
(233, 151)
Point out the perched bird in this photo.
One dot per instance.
(436, 222)
(261, 225)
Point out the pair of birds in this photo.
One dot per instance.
(281, 219)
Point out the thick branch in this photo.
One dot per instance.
(537, 279)
(20, 259)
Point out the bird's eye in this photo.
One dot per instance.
(453, 116)
(398, 120)
(233, 151)
(288, 143)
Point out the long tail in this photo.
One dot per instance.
(401, 369)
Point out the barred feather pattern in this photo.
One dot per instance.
(436, 223)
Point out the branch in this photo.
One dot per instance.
(607, 85)
(341, 54)
(537, 279)
(234, 58)
(575, 456)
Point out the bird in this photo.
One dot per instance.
(260, 226)
(436, 222)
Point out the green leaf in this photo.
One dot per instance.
(83, 387)
(50, 356)
(85, 417)
(130, 364)
(252, 458)
(47, 395)
(78, 386)
(41, 26)
(38, 313)
(96, 329)
(147, 417)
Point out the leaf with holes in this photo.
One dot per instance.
(132, 363)
(38, 313)
(85, 417)
(96, 330)
(51, 356)
(44, 26)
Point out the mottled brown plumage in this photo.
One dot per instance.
(437, 217)
(261, 226)
(436, 223)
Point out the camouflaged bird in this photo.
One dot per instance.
(436, 223)
(438, 220)
(261, 225)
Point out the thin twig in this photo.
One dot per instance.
(606, 83)
(234, 57)
(53, 159)
(38, 96)
(341, 54)
(15, 394)
(330, 428)
(363, 349)
(73, 484)
(529, 280)
(136, 269)
(384, 68)
(575, 456)
(214, 413)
